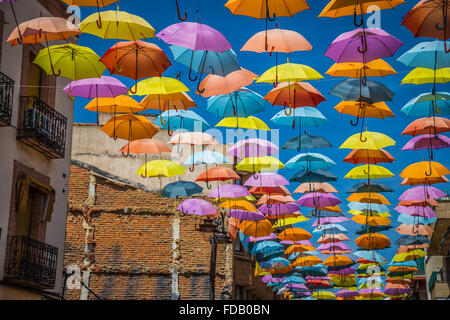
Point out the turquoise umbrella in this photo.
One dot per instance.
(430, 54)
(362, 206)
(293, 279)
(202, 61)
(331, 228)
(181, 189)
(423, 105)
(414, 220)
(181, 119)
(240, 103)
(307, 141)
(371, 255)
(309, 162)
(275, 263)
(206, 157)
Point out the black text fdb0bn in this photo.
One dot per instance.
(246, 309)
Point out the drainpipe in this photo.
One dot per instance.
(175, 294)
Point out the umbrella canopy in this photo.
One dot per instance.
(159, 85)
(306, 116)
(280, 190)
(369, 172)
(371, 241)
(421, 193)
(427, 126)
(257, 164)
(373, 187)
(310, 161)
(427, 141)
(118, 104)
(428, 105)
(424, 169)
(246, 215)
(289, 72)
(371, 221)
(277, 40)
(241, 205)
(294, 234)
(229, 191)
(72, 61)
(195, 36)
(241, 103)
(262, 9)
(197, 207)
(160, 168)
(339, 8)
(419, 211)
(194, 139)
(323, 187)
(252, 147)
(313, 176)
(218, 174)
(294, 95)
(250, 122)
(173, 101)
(427, 181)
(129, 127)
(378, 110)
(146, 146)
(104, 87)
(415, 230)
(372, 156)
(372, 92)
(256, 229)
(374, 68)
(338, 260)
(214, 85)
(372, 141)
(318, 200)
(181, 189)
(117, 24)
(430, 54)
(307, 141)
(266, 179)
(205, 157)
(279, 209)
(181, 119)
(425, 75)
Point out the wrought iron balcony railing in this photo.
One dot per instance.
(42, 128)
(6, 99)
(30, 262)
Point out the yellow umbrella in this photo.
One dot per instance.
(129, 127)
(368, 197)
(374, 214)
(378, 110)
(160, 168)
(257, 164)
(340, 8)
(407, 256)
(289, 72)
(368, 140)
(119, 104)
(369, 171)
(159, 85)
(256, 229)
(91, 3)
(289, 221)
(425, 75)
(250, 122)
(323, 295)
(424, 169)
(374, 68)
(295, 248)
(117, 24)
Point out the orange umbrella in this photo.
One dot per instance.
(335, 251)
(239, 205)
(365, 261)
(294, 234)
(298, 248)
(306, 261)
(256, 229)
(164, 102)
(368, 197)
(358, 156)
(427, 126)
(282, 270)
(294, 95)
(214, 85)
(428, 18)
(136, 60)
(419, 203)
(412, 247)
(322, 187)
(281, 190)
(146, 146)
(129, 127)
(217, 174)
(331, 209)
(43, 29)
(338, 260)
(233, 227)
(371, 221)
(424, 169)
(428, 181)
(399, 281)
(374, 68)
(327, 238)
(415, 230)
(278, 40)
(371, 241)
(271, 199)
(379, 110)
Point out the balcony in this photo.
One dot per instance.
(440, 239)
(30, 262)
(439, 285)
(42, 128)
(6, 99)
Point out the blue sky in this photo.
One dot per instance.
(320, 32)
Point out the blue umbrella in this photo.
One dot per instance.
(369, 229)
(362, 206)
(275, 263)
(423, 105)
(313, 176)
(293, 279)
(317, 270)
(410, 263)
(408, 240)
(218, 63)
(307, 141)
(374, 187)
(263, 247)
(205, 157)
(430, 54)
(240, 103)
(310, 162)
(412, 220)
(181, 189)
(181, 119)
(330, 228)
(370, 255)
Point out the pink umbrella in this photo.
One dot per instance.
(416, 211)
(301, 242)
(421, 193)
(328, 220)
(318, 200)
(335, 245)
(272, 236)
(427, 141)
(252, 148)
(229, 191)
(279, 209)
(197, 207)
(246, 215)
(266, 179)
(318, 186)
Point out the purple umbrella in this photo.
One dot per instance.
(301, 242)
(296, 286)
(328, 220)
(272, 236)
(370, 291)
(315, 278)
(197, 207)
(318, 200)
(335, 245)
(375, 43)
(195, 36)
(427, 141)
(417, 211)
(279, 209)
(229, 191)
(421, 193)
(396, 291)
(103, 87)
(347, 293)
(266, 179)
(252, 148)
(246, 215)
(343, 272)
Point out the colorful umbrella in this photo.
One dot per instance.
(241, 103)
(214, 85)
(250, 122)
(91, 3)
(252, 147)
(197, 207)
(427, 126)
(181, 189)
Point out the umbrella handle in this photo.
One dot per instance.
(125, 154)
(271, 51)
(116, 67)
(208, 185)
(361, 138)
(179, 13)
(364, 43)
(268, 13)
(53, 71)
(99, 20)
(287, 113)
(200, 90)
(361, 22)
(163, 121)
(178, 76)
(438, 27)
(190, 74)
(20, 39)
(354, 123)
(133, 89)
(431, 170)
(192, 168)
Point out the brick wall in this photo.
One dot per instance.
(129, 236)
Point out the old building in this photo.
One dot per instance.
(35, 138)
(127, 242)
(437, 262)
